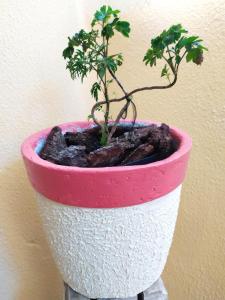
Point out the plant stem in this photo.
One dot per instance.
(117, 81)
(124, 108)
(105, 54)
(106, 90)
(147, 88)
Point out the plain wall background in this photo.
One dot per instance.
(37, 92)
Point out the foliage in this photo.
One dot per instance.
(88, 51)
(173, 45)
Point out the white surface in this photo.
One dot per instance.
(111, 253)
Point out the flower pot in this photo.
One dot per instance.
(110, 229)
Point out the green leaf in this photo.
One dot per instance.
(99, 108)
(78, 65)
(119, 59)
(111, 64)
(101, 14)
(90, 117)
(165, 71)
(107, 31)
(104, 14)
(188, 41)
(115, 12)
(203, 48)
(74, 41)
(101, 70)
(150, 58)
(113, 23)
(123, 27)
(189, 57)
(157, 43)
(68, 52)
(170, 42)
(95, 90)
(195, 55)
(168, 37)
(109, 81)
(178, 59)
(173, 34)
(94, 21)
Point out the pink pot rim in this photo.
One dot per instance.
(106, 187)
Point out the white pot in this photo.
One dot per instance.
(110, 229)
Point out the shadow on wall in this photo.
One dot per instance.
(25, 241)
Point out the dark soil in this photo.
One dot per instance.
(129, 146)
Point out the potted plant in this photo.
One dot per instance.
(108, 191)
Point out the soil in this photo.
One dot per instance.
(129, 146)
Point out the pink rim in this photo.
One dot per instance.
(105, 187)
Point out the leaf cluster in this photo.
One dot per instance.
(88, 51)
(173, 45)
(110, 22)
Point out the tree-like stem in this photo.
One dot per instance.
(117, 81)
(106, 115)
(173, 65)
(148, 88)
(119, 116)
(124, 109)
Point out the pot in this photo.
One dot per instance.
(110, 229)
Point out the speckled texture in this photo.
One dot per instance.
(109, 253)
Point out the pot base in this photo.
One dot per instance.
(156, 292)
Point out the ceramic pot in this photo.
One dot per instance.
(110, 229)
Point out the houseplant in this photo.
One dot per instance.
(109, 239)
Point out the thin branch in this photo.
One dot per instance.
(134, 111)
(170, 65)
(183, 56)
(105, 53)
(168, 51)
(148, 88)
(119, 116)
(117, 81)
(127, 96)
(124, 109)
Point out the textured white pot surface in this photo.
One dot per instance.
(111, 253)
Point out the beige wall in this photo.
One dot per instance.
(34, 80)
(35, 92)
